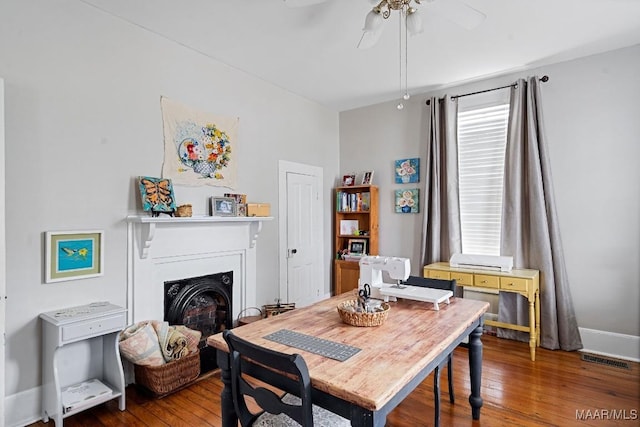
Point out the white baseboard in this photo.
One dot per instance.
(611, 344)
(23, 408)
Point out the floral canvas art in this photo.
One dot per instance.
(407, 171)
(199, 146)
(408, 201)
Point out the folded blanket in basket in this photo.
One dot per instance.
(172, 342)
(193, 337)
(139, 344)
(154, 343)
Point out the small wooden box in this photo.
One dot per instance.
(258, 209)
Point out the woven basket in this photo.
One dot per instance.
(164, 379)
(362, 319)
(184, 210)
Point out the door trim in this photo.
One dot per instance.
(3, 254)
(285, 167)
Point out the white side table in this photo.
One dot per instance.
(81, 365)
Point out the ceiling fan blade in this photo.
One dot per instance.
(369, 39)
(458, 12)
(302, 3)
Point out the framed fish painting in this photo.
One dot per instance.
(71, 255)
(157, 195)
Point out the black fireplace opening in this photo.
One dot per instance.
(204, 304)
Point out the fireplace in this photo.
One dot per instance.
(165, 249)
(201, 303)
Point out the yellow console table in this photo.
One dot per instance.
(522, 281)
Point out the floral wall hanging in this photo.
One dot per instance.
(198, 146)
(408, 201)
(407, 171)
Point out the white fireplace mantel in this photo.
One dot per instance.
(149, 225)
(162, 249)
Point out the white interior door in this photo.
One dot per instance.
(301, 193)
(3, 254)
(301, 234)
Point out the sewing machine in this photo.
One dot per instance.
(371, 268)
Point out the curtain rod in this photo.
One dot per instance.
(542, 79)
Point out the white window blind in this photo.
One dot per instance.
(482, 138)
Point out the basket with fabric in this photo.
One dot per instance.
(169, 377)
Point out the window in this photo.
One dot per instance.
(482, 139)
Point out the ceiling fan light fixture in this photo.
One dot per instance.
(373, 20)
(414, 22)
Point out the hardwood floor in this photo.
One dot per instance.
(558, 389)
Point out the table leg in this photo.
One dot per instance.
(475, 371)
(537, 319)
(229, 417)
(532, 329)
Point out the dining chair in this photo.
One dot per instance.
(284, 371)
(449, 285)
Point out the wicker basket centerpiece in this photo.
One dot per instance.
(348, 314)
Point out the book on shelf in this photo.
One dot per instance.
(353, 202)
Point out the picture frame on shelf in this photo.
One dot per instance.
(223, 206)
(367, 178)
(357, 247)
(349, 226)
(349, 180)
(71, 255)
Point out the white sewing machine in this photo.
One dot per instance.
(371, 268)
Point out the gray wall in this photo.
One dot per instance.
(591, 112)
(83, 120)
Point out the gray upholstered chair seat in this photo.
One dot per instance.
(321, 417)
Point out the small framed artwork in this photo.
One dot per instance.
(239, 198)
(349, 180)
(407, 171)
(223, 206)
(367, 178)
(408, 201)
(348, 227)
(241, 209)
(71, 255)
(357, 246)
(157, 195)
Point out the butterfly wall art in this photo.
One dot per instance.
(157, 195)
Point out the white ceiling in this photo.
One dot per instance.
(311, 51)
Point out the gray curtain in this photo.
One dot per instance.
(530, 229)
(441, 224)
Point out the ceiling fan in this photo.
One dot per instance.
(455, 11)
(410, 22)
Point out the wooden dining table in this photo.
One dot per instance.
(394, 358)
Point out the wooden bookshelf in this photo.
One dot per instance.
(355, 204)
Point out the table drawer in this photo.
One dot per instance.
(87, 329)
(437, 274)
(485, 281)
(513, 284)
(462, 279)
